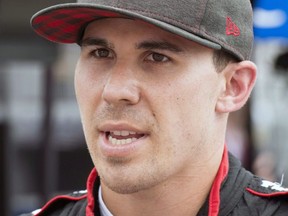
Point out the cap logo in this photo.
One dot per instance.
(232, 28)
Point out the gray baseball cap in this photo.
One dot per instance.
(218, 24)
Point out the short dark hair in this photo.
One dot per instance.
(222, 58)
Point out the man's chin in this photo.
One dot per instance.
(123, 188)
(128, 186)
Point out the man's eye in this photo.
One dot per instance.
(102, 53)
(157, 57)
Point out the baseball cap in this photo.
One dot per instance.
(218, 24)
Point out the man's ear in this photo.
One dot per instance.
(239, 79)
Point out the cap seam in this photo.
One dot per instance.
(204, 13)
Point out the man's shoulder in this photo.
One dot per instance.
(266, 197)
(246, 194)
(73, 204)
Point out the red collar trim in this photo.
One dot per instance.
(273, 194)
(214, 199)
(90, 198)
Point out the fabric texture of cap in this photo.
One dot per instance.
(218, 24)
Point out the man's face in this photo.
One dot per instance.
(147, 101)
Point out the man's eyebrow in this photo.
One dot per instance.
(95, 42)
(161, 45)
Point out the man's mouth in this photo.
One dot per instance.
(123, 137)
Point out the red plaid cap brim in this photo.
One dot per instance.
(65, 25)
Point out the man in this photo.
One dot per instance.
(155, 82)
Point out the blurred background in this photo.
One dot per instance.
(42, 148)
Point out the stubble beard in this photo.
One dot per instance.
(129, 180)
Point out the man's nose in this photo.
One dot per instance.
(121, 86)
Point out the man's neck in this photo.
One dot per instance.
(182, 195)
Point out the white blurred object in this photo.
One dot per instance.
(269, 18)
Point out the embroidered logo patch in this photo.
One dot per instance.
(274, 186)
(232, 28)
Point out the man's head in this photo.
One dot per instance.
(153, 89)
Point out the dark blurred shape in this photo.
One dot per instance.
(73, 161)
(281, 62)
(3, 198)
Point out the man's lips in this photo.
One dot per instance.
(121, 134)
(122, 137)
(121, 142)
